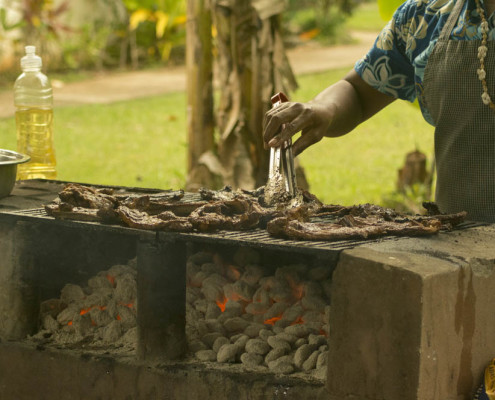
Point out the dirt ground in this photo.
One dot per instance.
(112, 87)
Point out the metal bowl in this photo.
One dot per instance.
(8, 169)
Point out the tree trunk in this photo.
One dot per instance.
(200, 120)
(252, 66)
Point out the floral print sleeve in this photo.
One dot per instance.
(386, 67)
(396, 63)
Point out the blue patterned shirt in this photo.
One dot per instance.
(395, 64)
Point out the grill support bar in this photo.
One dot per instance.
(161, 283)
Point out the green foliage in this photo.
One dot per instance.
(321, 20)
(6, 26)
(158, 27)
(311, 22)
(86, 50)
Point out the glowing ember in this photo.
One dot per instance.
(85, 311)
(272, 321)
(221, 304)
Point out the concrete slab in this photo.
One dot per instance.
(413, 318)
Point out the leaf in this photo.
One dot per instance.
(388, 7)
(5, 25)
(137, 17)
(161, 23)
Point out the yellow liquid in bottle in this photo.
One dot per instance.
(35, 138)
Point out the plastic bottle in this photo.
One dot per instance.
(33, 100)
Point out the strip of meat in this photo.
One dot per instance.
(154, 206)
(67, 211)
(448, 220)
(73, 213)
(142, 220)
(181, 209)
(87, 197)
(236, 214)
(224, 194)
(302, 230)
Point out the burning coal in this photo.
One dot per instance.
(102, 313)
(238, 311)
(242, 312)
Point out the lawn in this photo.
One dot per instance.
(365, 18)
(362, 166)
(143, 143)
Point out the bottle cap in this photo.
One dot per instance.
(30, 60)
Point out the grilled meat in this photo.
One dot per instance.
(241, 210)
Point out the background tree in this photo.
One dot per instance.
(251, 65)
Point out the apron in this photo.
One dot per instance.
(464, 126)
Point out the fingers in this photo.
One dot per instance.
(282, 122)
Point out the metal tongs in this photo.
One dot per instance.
(281, 158)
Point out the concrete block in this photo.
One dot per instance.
(410, 323)
(19, 304)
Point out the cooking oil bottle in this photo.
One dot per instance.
(33, 100)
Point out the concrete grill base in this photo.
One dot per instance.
(47, 374)
(411, 319)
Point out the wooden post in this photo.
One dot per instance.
(199, 61)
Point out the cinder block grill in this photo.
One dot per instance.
(41, 254)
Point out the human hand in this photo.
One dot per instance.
(283, 122)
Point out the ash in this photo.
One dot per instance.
(276, 321)
(101, 315)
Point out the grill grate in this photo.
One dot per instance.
(254, 238)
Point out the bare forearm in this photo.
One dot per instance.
(334, 112)
(344, 108)
(351, 101)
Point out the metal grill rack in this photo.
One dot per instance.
(258, 238)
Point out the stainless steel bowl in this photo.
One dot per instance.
(8, 169)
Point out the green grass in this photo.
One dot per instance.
(134, 143)
(365, 18)
(362, 166)
(143, 143)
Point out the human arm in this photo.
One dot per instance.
(334, 112)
